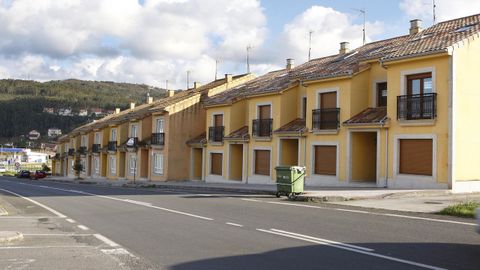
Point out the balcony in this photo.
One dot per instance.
(216, 134)
(262, 127)
(82, 150)
(132, 142)
(112, 146)
(158, 138)
(71, 151)
(326, 119)
(417, 107)
(96, 148)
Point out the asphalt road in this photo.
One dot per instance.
(184, 230)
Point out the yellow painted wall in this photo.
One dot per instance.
(289, 104)
(466, 158)
(359, 92)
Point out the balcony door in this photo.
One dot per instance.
(159, 127)
(328, 106)
(264, 116)
(419, 88)
(264, 112)
(218, 120)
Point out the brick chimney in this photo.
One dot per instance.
(344, 47)
(132, 105)
(290, 63)
(415, 26)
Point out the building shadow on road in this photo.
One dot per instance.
(440, 255)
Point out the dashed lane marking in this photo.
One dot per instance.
(234, 224)
(85, 228)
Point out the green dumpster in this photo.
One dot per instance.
(290, 180)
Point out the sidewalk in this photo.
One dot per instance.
(412, 200)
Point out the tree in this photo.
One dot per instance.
(45, 167)
(78, 167)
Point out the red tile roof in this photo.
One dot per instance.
(200, 139)
(239, 134)
(369, 116)
(295, 126)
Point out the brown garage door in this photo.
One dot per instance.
(326, 159)
(416, 156)
(262, 162)
(216, 164)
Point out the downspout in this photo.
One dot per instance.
(248, 162)
(382, 123)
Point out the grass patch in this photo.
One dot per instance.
(461, 210)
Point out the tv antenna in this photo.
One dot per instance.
(434, 15)
(249, 48)
(310, 44)
(217, 62)
(364, 13)
(188, 79)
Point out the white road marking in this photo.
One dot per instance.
(58, 214)
(132, 202)
(57, 234)
(106, 240)
(118, 251)
(70, 220)
(365, 212)
(85, 228)
(234, 224)
(35, 247)
(28, 217)
(344, 247)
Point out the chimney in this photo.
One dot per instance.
(149, 100)
(117, 110)
(344, 47)
(132, 105)
(290, 63)
(228, 78)
(171, 93)
(196, 85)
(415, 26)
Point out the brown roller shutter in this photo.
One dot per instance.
(416, 156)
(218, 120)
(262, 162)
(326, 159)
(264, 112)
(328, 100)
(216, 164)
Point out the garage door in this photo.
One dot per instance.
(216, 164)
(262, 162)
(416, 156)
(326, 159)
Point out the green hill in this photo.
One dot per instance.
(23, 104)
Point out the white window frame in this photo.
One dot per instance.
(84, 141)
(254, 149)
(132, 167)
(158, 163)
(157, 125)
(210, 163)
(133, 130)
(302, 109)
(97, 138)
(263, 104)
(326, 90)
(113, 134)
(96, 164)
(113, 165)
(405, 73)
(374, 102)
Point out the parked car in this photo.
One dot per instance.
(478, 220)
(38, 174)
(23, 174)
(3, 168)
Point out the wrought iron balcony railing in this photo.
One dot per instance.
(96, 148)
(216, 134)
(415, 107)
(82, 150)
(158, 138)
(112, 146)
(71, 151)
(326, 119)
(262, 127)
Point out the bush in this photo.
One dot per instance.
(461, 210)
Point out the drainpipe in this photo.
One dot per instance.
(386, 152)
(248, 162)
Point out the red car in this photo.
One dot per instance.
(38, 175)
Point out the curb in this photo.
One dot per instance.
(9, 236)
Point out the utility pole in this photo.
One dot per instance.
(434, 15)
(249, 47)
(310, 45)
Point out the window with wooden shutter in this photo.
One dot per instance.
(216, 163)
(381, 94)
(328, 100)
(218, 120)
(326, 159)
(264, 112)
(262, 162)
(416, 156)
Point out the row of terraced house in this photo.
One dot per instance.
(399, 113)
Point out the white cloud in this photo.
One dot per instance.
(330, 28)
(445, 9)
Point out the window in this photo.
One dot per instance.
(325, 160)
(134, 131)
(416, 156)
(419, 84)
(262, 162)
(133, 164)
(159, 127)
(97, 138)
(216, 163)
(304, 107)
(328, 100)
(82, 162)
(114, 134)
(381, 94)
(84, 141)
(218, 120)
(113, 165)
(264, 112)
(96, 165)
(72, 165)
(157, 163)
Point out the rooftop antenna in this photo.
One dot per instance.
(249, 47)
(364, 13)
(217, 61)
(310, 45)
(166, 84)
(434, 17)
(188, 79)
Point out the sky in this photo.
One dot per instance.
(152, 41)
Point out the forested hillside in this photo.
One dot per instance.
(23, 103)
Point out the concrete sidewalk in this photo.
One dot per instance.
(413, 200)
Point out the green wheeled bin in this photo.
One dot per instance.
(290, 180)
